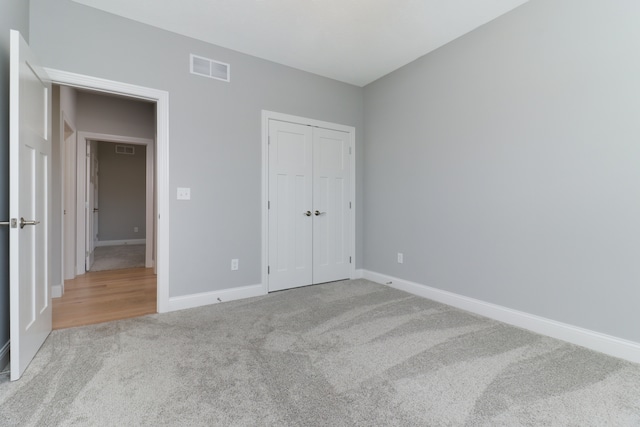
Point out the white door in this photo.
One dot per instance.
(96, 187)
(290, 205)
(29, 209)
(308, 216)
(331, 255)
(91, 203)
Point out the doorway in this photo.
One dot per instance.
(113, 198)
(159, 215)
(124, 168)
(308, 186)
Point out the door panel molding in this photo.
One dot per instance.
(351, 138)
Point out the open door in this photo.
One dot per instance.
(29, 209)
(91, 204)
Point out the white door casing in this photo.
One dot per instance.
(161, 169)
(95, 173)
(69, 201)
(309, 223)
(29, 200)
(82, 178)
(90, 202)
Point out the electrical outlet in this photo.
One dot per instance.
(234, 264)
(400, 258)
(135, 229)
(184, 193)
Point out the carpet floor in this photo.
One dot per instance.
(350, 353)
(118, 257)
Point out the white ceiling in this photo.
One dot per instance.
(354, 41)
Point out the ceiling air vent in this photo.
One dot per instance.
(125, 149)
(209, 68)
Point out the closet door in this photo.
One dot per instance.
(330, 205)
(290, 205)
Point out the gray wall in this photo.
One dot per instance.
(215, 129)
(115, 116)
(506, 165)
(121, 193)
(14, 14)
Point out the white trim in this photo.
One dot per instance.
(271, 115)
(214, 297)
(161, 98)
(607, 344)
(57, 290)
(4, 355)
(359, 274)
(121, 242)
(68, 153)
(83, 138)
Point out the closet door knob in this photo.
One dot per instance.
(307, 213)
(24, 222)
(318, 213)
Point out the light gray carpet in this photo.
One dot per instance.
(340, 354)
(118, 257)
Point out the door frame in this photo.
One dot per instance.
(272, 115)
(81, 182)
(67, 150)
(161, 99)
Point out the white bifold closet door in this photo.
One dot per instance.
(308, 205)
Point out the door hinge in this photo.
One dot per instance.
(269, 204)
(269, 140)
(268, 269)
(349, 150)
(349, 205)
(349, 260)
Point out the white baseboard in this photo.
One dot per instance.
(57, 290)
(214, 297)
(613, 346)
(121, 242)
(4, 355)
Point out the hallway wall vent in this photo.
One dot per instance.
(125, 149)
(209, 68)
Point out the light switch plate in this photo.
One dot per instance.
(184, 193)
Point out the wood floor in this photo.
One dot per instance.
(104, 296)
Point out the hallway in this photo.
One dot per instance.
(103, 296)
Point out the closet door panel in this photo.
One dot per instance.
(290, 199)
(331, 205)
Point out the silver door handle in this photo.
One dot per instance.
(24, 222)
(318, 213)
(13, 223)
(307, 213)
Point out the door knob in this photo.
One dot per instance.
(308, 213)
(318, 213)
(24, 222)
